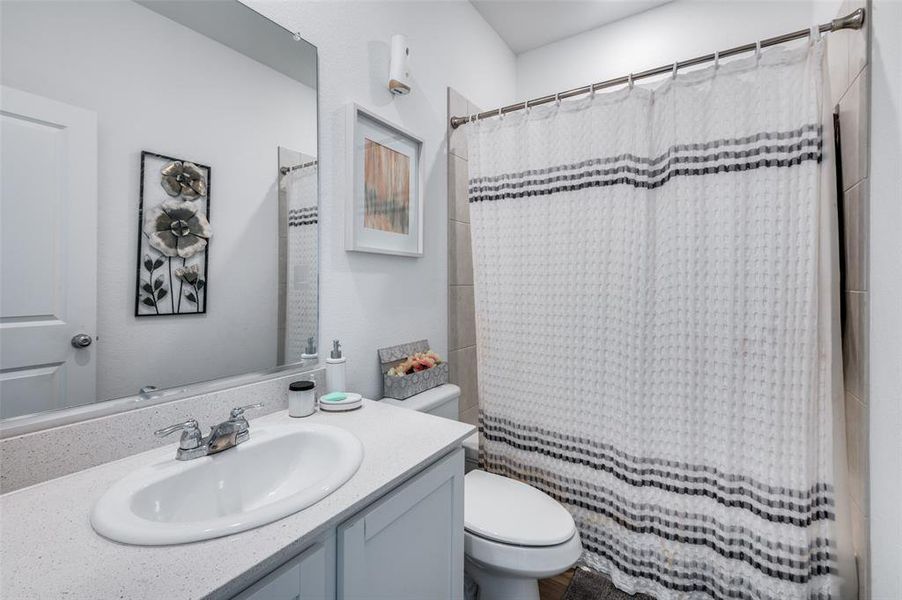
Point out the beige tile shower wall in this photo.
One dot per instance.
(461, 309)
(848, 60)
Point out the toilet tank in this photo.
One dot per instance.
(441, 401)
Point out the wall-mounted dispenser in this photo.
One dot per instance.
(399, 73)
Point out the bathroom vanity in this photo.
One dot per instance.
(394, 529)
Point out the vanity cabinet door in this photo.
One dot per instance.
(318, 571)
(410, 543)
(308, 576)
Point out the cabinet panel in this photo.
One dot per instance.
(409, 544)
(308, 576)
(318, 571)
(282, 584)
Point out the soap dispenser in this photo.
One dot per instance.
(310, 352)
(335, 369)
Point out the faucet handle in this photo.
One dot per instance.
(191, 434)
(187, 426)
(239, 410)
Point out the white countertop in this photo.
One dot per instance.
(49, 550)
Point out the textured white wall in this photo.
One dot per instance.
(674, 31)
(368, 300)
(886, 290)
(159, 86)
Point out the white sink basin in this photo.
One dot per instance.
(282, 469)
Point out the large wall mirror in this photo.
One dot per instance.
(159, 202)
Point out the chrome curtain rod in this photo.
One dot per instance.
(853, 20)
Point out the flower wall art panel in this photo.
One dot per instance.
(175, 232)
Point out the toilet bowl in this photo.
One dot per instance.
(514, 534)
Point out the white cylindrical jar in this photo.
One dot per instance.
(301, 399)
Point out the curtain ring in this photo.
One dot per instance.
(629, 81)
(716, 59)
(676, 65)
(592, 91)
(814, 33)
(557, 99)
(758, 50)
(500, 114)
(527, 107)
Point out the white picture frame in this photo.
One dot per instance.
(392, 221)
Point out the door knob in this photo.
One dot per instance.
(81, 340)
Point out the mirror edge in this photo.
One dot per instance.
(26, 424)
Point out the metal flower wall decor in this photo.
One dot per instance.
(185, 179)
(175, 232)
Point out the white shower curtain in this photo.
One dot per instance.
(656, 334)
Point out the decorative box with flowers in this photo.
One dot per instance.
(174, 234)
(409, 369)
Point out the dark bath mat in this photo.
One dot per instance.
(587, 585)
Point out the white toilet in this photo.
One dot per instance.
(514, 534)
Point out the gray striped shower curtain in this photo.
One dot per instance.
(655, 331)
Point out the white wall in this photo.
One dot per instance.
(368, 300)
(159, 86)
(676, 31)
(886, 301)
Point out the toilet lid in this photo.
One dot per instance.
(511, 512)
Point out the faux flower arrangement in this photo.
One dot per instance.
(416, 362)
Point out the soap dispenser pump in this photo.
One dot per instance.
(310, 352)
(335, 369)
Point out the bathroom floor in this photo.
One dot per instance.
(553, 588)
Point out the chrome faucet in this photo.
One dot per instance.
(227, 434)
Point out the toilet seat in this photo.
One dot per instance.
(536, 562)
(506, 511)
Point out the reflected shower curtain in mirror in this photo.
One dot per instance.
(301, 308)
(656, 326)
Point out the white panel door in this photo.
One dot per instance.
(410, 544)
(48, 253)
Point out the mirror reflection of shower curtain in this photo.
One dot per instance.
(298, 216)
(674, 248)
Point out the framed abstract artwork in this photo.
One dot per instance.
(385, 206)
(173, 236)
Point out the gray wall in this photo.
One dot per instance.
(848, 63)
(884, 398)
(371, 301)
